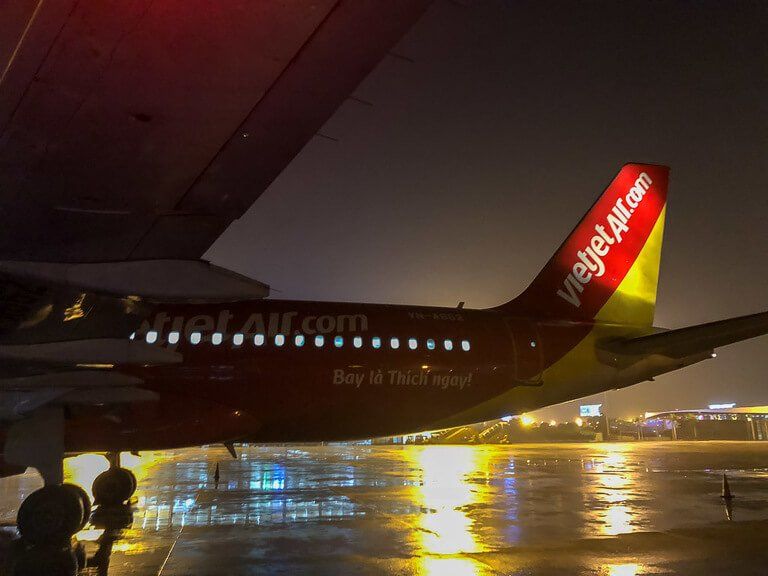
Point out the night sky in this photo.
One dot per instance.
(485, 145)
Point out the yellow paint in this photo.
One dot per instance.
(628, 312)
(634, 301)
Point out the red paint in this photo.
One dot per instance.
(541, 299)
(227, 389)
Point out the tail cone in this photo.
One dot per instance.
(726, 493)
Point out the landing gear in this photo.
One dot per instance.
(85, 500)
(52, 515)
(49, 516)
(114, 487)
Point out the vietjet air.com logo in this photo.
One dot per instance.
(590, 260)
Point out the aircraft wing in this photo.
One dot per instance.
(693, 339)
(141, 130)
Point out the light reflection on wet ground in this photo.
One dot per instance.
(608, 509)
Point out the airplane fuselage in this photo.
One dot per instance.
(281, 371)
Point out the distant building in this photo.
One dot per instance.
(718, 422)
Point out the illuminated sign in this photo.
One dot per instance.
(589, 410)
(722, 406)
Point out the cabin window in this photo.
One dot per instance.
(298, 340)
(279, 339)
(357, 342)
(258, 339)
(195, 337)
(151, 337)
(217, 338)
(412, 344)
(319, 340)
(430, 344)
(173, 338)
(448, 344)
(237, 339)
(465, 345)
(338, 341)
(394, 343)
(376, 342)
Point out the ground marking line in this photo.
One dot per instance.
(170, 551)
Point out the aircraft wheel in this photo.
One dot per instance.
(84, 499)
(50, 515)
(113, 487)
(134, 482)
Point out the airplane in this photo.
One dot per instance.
(116, 336)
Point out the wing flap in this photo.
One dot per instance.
(137, 130)
(692, 340)
(89, 352)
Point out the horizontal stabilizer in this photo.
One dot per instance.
(693, 339)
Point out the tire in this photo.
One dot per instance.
(134, 482)
(84, 499)
(113, 487)
(50, 516)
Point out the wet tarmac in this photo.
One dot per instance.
(607, 509)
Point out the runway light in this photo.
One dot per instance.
(506, 418)
(553, 422)
(527, 420)
(579, 422)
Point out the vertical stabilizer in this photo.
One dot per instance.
(607, 270)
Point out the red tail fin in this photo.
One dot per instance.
(607, 269)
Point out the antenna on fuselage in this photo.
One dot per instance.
(461, 305)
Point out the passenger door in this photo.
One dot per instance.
(527, 353)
